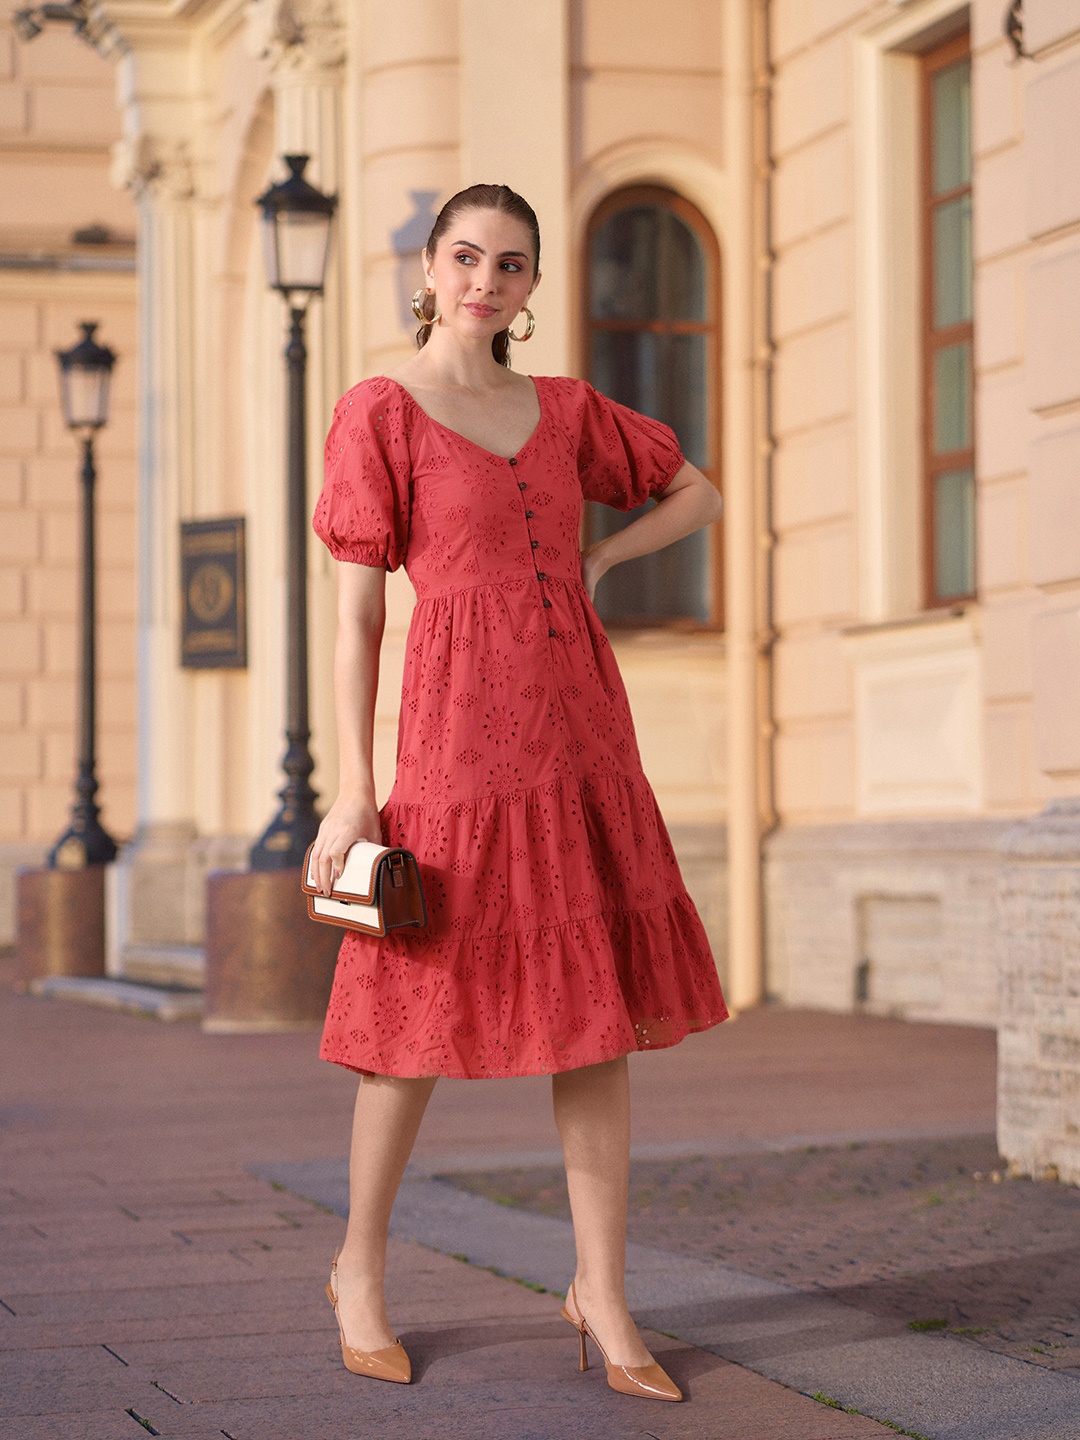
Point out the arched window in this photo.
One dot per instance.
(652, 342)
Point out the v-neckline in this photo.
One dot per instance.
(493, 454)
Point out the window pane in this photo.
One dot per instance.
(667, 585)
(954, 534)
(623, 266)
(951, 140)
(952, 261)
(681, 270)
(952, 404)
(647, 264)
(661, 375)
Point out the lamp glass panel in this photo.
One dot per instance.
(302, 243)
(270, 251)
(85, 396)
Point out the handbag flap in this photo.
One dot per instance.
(357, 880)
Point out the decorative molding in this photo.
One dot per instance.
(917, 717)
(141, 163)
(296, 34)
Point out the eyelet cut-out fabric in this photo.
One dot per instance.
(560, 933)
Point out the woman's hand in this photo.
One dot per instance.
(349, 819)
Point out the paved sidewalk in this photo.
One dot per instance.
(149, 1278)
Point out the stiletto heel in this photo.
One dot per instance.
(647, 1381)
(583, 1364)
(650, 1382)
(390, 1363)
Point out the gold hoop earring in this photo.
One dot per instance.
(530, 326)
(418, 302)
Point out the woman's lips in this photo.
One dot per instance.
(482, 312)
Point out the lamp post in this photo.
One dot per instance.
(296, 224)
(84, 393)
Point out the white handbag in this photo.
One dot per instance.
(378, 890)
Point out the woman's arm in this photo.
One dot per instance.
(690, 500)
(354, 814)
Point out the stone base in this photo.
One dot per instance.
(268, 966)
(1039, 966)
(60, 923)
(160, 885)
(895, 918)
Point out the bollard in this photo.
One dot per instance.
(60, 923)
(268, 966)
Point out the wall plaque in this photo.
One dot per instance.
(213, 601)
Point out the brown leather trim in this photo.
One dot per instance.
(398, 905)
(342, 924)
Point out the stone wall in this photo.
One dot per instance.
(895, 918)
(1039, 1022)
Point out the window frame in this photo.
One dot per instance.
(625, 198)
(931, 62)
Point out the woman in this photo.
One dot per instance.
(560, 935)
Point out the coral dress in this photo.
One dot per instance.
(560, 933)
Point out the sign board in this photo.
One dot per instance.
(213, 601)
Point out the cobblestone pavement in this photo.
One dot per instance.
(929, 1232)
(149, 1284)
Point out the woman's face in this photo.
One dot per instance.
(482, 272)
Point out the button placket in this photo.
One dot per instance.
(534, 544)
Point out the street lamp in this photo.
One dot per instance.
(296, 224)
(84, 395)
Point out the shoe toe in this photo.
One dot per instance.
(649, 1381)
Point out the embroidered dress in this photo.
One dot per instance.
(560, 933)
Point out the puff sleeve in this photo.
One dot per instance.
(362, 514)
(623, 457)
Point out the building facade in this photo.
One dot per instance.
(837, 244)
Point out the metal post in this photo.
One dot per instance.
(283, 844)
(86, 842)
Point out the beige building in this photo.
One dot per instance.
(837, 244)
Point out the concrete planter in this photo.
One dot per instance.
(60, 923)
(268, 967)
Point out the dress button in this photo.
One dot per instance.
(540, 575)
(521, 484)
(530, 514)
(551, 632)
(512, 461)
(547, 603)
(534, 543)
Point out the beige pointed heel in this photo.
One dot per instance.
(650, 1382)
(390, 1363)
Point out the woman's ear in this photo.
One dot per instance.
(426, 261)
(539, 277)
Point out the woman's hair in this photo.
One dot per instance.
(482, 197)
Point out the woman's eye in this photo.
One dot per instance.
(512, 266)
(465, 258)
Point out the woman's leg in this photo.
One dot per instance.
(592, 1111)
(385, 1122)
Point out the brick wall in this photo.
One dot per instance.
(40, 556)
(58, 121)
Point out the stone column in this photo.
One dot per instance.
(1039, 1016)
(159, 902)
(305, 44)
(1039, 1029)
(267, 966)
